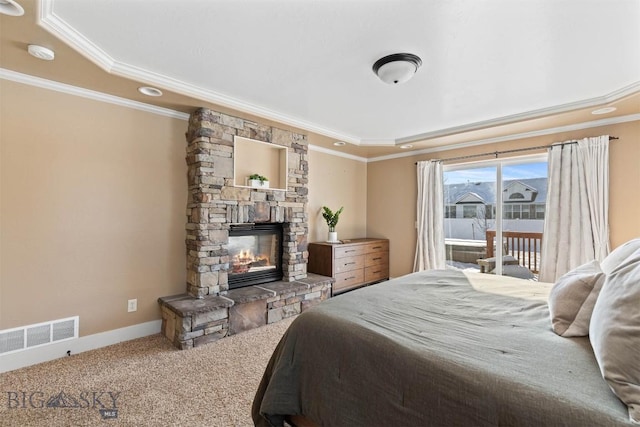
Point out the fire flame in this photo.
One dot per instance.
(242, 261)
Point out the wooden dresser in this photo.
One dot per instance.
(354, 263)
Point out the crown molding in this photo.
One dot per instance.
(65, 32)
(529, 115)
(123, 102)
(89, 94)
(542, 132)
(48, 20)
(55, 25)
(336, 153)
(187, 89)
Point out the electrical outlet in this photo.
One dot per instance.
(132, 305)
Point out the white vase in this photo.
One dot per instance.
(256, 183)
(333, 237)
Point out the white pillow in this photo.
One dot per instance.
(572, 299)
(615, 332)
(619, 254)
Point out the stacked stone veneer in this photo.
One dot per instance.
(209, 310)
(214, 203)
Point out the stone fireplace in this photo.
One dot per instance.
(210, 309)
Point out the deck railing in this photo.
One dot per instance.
(523, 246)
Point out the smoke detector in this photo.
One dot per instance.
(11, 8)
(41, 52)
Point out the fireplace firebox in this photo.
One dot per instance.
(255, 254)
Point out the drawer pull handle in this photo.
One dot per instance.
(350, 278)
(376, 259)
(376, 272)
(349, 263)
(377, 247)
(350, 250)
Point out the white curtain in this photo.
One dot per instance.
(430, 251)
(594, 154)
(577, 207)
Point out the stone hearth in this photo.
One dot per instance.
(189, 322)
(209, 310)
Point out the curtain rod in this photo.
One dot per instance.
(517, 150)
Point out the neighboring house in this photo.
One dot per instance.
(470, 208)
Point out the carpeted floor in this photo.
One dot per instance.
(152, 383)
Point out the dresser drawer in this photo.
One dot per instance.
(382, 246)
(348, 280)
(342, 265)
(376, 258)
(349, 251)
(376, 272)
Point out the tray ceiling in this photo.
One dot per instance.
(308, 63)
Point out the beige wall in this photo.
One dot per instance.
(268, 160)
(391, 189)
(335, 182)
(92, 208)
(92, 211)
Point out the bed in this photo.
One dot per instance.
(438, 348)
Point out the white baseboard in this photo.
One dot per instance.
(21, 359)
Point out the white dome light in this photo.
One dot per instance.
(397, 68)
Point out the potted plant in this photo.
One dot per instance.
(258, 181)
(332, 220)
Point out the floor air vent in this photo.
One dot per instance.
(26, 337)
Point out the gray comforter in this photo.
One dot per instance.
(439, 348)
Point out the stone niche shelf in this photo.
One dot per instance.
(253, 156)
(190, 322)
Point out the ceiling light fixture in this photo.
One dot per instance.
(339, 143)
(150, 91)
(397, 68)
(405, 146)
(41, 52)
(11, 8)
(604, 110)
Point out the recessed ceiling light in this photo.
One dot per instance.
(339, 143)
(150, 91)
(11, 8)
(604, 110)
(405, 146)
(41, 52)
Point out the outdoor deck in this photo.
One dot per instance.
(523, 247)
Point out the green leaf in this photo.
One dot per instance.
(330, 217)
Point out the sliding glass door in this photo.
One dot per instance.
(490, 202)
